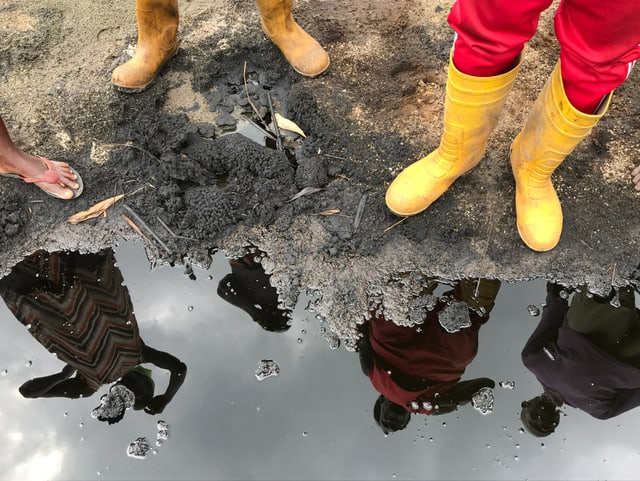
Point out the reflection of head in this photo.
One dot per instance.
(540, 415)
(391, 417)
(134, 390)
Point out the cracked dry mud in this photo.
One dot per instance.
(378, 108)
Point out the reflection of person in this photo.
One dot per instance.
(248, 287)
(599, 43)
(418, 369)
(77, 307)
(56, 179)
(158, 42)
(586, 355)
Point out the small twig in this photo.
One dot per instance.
(490, 229)
(396, 224)
(329, 212)
(305, 191)
(136, 228)
(146, 227)
(171, 232)
(335, 157)
(276, 129)
(166, 227)
(135, 191)
(613, 274)
(359, 212)
(246, 91)
(581, 240)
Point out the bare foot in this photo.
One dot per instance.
(636, 177)
(32, 167)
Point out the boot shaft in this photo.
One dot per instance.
(552, 131)
(275, 15)
(157, 23)
(472, 109)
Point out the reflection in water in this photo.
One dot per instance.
(248, 287)
(226, 425)
(418, 369)
(586, 354)
(77, 307)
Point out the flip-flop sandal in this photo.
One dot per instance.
(50, 177)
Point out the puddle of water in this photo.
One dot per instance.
(223, 423)
(256, 133)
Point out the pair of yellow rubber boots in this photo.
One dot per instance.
(158, 42)
(472, 108)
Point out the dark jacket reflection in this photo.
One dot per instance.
(585, 354)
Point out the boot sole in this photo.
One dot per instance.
(311, 75)
(405, 214)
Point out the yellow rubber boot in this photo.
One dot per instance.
(157, 43)
(471, 111)
(302, 51)
(552, 131)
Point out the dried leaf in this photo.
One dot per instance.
(305, 191)
(329, 212)
(290, 125)
(95, 210)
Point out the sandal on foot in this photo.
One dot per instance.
(50, 177)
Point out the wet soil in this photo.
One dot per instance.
(172, 149)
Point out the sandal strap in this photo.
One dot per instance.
(50, 176)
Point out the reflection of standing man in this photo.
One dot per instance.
(586, 354)
(418, 369)
(248, 287)
(77, 307)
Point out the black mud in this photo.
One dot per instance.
(199, 187)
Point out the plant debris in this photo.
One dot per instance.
(290, 125)
(95, 210)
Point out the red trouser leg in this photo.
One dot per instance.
(599, 41)
(492, 33)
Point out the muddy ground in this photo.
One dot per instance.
(378, 108)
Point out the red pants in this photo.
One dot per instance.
(599, 41)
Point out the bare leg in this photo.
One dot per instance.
(15, 161)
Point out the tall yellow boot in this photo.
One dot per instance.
(471, 111)
(552, 131)
(157, 43)
(302, 51)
